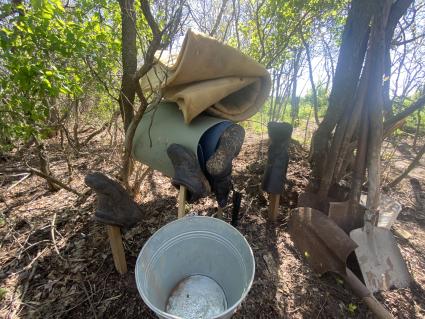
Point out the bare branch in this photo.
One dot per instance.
(100, 80)
(219, 17)
(418, 104)
(41, 174)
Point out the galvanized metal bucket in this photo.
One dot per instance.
(193, 247)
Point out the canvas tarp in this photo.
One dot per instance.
(213, 77)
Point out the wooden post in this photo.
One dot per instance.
(114, 234)
(273, 206)
(181, 202)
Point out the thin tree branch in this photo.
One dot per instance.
(97, 76)
(41, 174)
(418, 104)
(219, 17)
(409, 168)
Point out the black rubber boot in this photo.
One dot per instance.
(277, 157)
(114, 204)
(187, 172)
(229, 146)
(221, 186)
(219, 165)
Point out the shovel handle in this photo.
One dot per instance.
(363, 292)
(377, 308)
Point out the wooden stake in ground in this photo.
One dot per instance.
(114, 234)
(274, 200)
(181, 202)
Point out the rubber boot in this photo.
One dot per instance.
(221, 186)
(187, 172)
(114, 205)
(277, 157)
(219, 165)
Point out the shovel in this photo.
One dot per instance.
(389, 210)
(348, 215)
(322, 203)
(379, 257)
(326, 248)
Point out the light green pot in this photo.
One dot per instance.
(162, 126)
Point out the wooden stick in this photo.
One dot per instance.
(181, 202)
(273, 206)
(114, 234)
(26, 175)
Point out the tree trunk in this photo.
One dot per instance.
(350, 61)
(295, 100)
(44, 165)
(374, 102)
(129, 61)
(219, 17)
(155, 44)
(313, 86)
(272, 96)
(388, 110)
(418, 129)
(75, 127)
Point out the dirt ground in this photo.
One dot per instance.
(55, 261)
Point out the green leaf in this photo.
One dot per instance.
(3, 293)
(351, 308)
(46, 82)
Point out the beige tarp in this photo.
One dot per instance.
(213, 77)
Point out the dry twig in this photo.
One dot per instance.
(41, 174)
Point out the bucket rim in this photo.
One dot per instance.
(229, 310)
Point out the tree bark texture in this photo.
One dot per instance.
(374, 101)
(331, 143)
(219, 17)
(313, 86)
(155, 44)
(350, 61)
(44, 165)
(76, 122)
(129, 61)
(295, 100)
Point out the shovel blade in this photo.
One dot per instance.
(324, 245)
(312, 200)
(389, 210)
(346, 218)
(381, 263)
